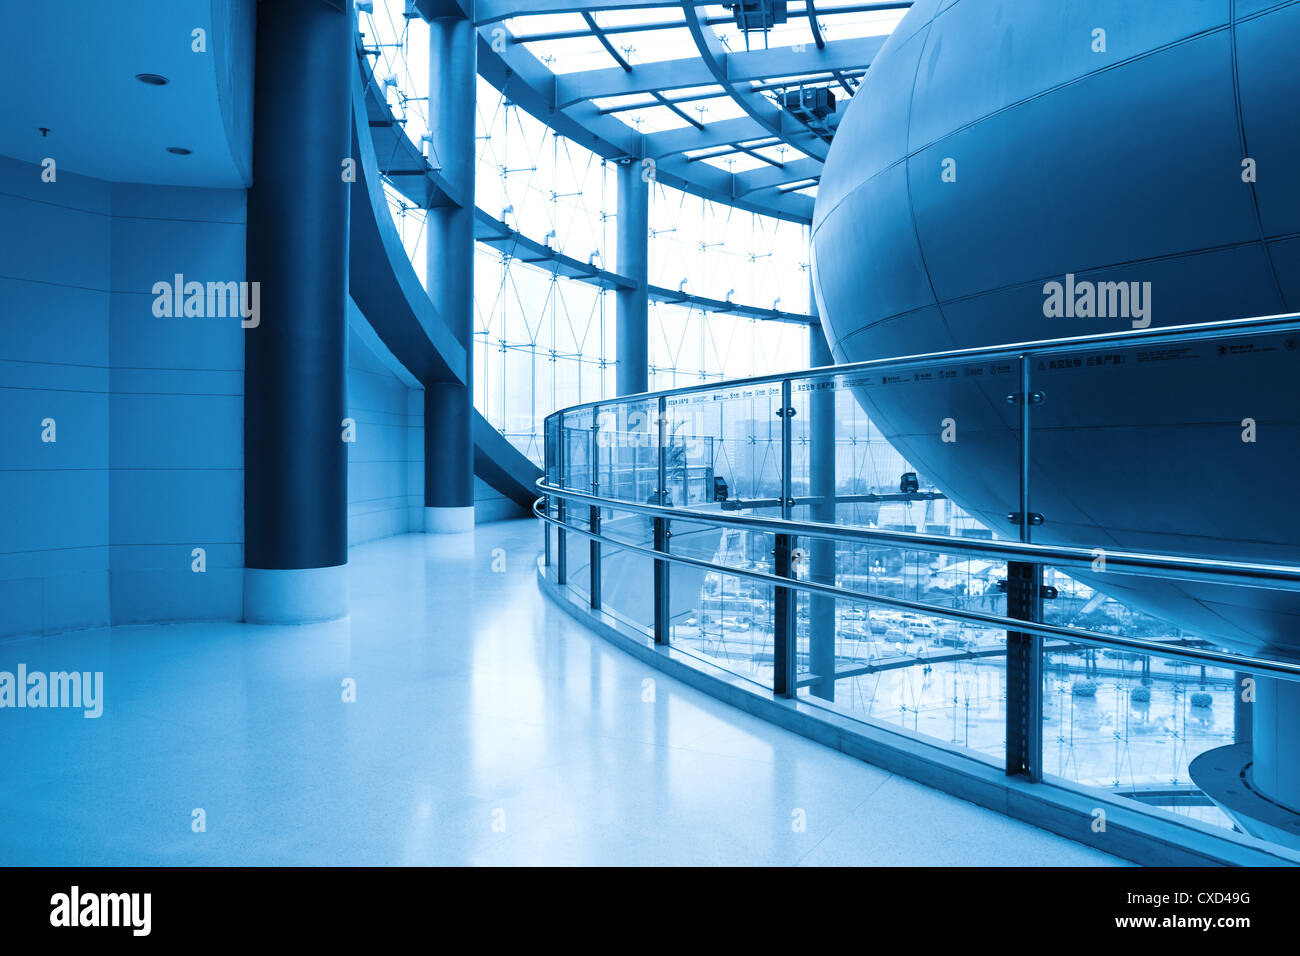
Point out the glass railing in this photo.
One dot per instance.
(1075, 559)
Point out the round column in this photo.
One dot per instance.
(449, 250)
(632, 332)
(295, 459)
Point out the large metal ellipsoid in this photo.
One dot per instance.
(1015, 171)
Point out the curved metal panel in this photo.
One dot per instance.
(381, 279)
(385, 288)
(964, 73)
(1270, 91)
(1129, 174)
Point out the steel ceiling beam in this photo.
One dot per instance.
(525, 81)
(722, 133)
(731, 70)
(565, 102)
(795, 171)
(794, 12)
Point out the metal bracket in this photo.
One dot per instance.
(788, 411)
(1035, 518)
(1035, 398)
(1047, 591)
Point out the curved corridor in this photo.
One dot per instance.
(488, 728)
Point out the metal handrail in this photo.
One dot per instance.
(1022, 617)
(1197, 655)
(1237, 573)
(1181, 333)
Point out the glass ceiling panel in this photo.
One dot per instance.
(601, 40)
(546, 23)
(622, 102)
(736, 162)
(653, 46)
(780, 154)
(844, 26)
(573, 55)
(654, 119)
(711, 111)
(614, 19)
(686, 92)
(782, 35)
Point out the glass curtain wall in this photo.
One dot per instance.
(544, 341)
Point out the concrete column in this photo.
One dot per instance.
(295, 460)
(632, 332)
(449, 247)
(821, 434)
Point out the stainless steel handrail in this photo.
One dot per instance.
(1240, 662)
(1022, 617)
(1181, 333)
(1236, 573)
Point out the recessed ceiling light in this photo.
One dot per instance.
(153, 79)
(178, 150)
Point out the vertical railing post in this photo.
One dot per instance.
(661, 531)
(786, 415)
(662, 631)
(561, 544)
(1024, 672)
(593, 514)
(784, 680)
(549, 444)
(785, 610)
(1025, 603)
(546, 531)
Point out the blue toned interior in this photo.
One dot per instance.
(469, 432)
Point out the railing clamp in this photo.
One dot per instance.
(1035, 518)
(1048, 592)
(787, 412)
(1035, 398)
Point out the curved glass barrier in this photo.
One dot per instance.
(950, 583)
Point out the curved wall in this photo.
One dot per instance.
(233, 27)
(147, 458)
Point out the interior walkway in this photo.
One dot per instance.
(488, 728)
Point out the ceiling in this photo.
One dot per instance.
(683, 83)
(72, 69)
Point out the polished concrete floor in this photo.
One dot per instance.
(488, 728)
